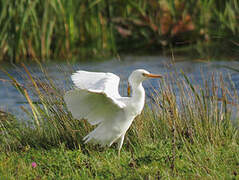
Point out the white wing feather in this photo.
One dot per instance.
(95, 98)
(99, 82)
(95, 107)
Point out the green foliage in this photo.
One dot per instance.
(64, 29)
(150, 161)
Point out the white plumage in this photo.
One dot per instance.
(97, 99)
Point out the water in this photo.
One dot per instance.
(11, 100)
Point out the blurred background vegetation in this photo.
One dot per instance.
(65, 29)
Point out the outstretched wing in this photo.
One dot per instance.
(94, 98)
(107, 83)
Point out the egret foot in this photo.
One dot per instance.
(120, 143)
(119, 153)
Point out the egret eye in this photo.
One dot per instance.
(145, 74)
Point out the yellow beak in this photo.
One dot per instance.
(153, 75)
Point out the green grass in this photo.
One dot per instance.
(191, 139)
(152, 160)
(66, 29)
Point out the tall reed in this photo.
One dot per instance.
(63, 29)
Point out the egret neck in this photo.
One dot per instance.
(138, 93)
(138, 96)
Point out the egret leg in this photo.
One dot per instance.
(120, 143)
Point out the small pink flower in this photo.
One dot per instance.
(34, 164)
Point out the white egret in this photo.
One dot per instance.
(96, 98)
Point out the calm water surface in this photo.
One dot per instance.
(11, 100)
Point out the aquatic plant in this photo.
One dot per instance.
(64, 29)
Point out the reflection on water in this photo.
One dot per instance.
(11, 100)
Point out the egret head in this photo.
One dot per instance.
(139, 75)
